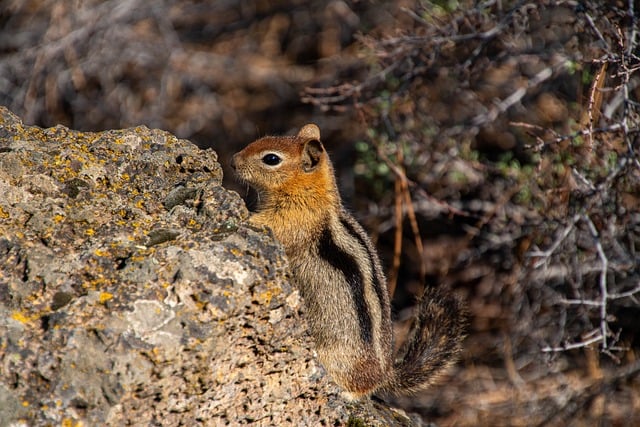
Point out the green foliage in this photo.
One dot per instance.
(445, 5)
(573, 67)
(369, 169)
(587, 77)
(448, 6)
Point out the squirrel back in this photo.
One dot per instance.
(339, 275)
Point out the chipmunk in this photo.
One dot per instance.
(339, 274)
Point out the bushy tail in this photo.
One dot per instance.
(433, 345)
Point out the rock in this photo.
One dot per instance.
(132, 292)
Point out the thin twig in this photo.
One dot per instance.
(544, 255)
(595, 101)
(604, 291)
(397, 241)
(580, 302)
(597, 31)
(573, 346)
(503, 105)
(625, 294)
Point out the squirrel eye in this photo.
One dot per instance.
(271, 159)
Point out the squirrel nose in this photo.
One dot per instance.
(233, 161)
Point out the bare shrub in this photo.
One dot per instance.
(515, 127)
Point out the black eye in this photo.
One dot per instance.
(271, 159)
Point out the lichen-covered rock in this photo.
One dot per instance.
(131, 293)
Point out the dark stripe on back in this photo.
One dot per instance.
(379, 287)
(347, 265)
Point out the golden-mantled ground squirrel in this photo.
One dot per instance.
(339, 275)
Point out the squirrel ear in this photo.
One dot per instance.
(311, 154)
(310, 131)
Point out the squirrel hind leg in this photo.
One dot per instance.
(434, 343)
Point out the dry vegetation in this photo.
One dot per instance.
(496, 153)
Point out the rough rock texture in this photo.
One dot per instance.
(131, 293)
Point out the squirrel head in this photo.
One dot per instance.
(286, 165)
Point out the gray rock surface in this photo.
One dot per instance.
(132, 293)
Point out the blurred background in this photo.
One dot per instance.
(489, 147)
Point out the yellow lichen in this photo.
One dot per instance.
(68, 422)
(23, 318)
(265, 297)
(105, 296)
